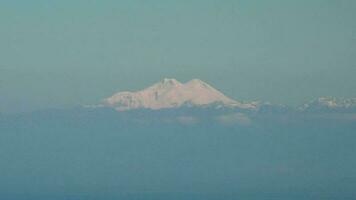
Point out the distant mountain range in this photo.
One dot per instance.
(172, 94)
(323, 104)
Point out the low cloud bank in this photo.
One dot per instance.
(235, 118)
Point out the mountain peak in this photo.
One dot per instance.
(196, 81)
(170, 93)
(170, 81)
(165, 84)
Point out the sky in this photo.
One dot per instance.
(62, 53)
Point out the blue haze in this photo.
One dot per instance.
(60, 53)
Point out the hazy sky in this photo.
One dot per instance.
(59, 53)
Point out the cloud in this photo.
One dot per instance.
(187, 120)
(235, 118)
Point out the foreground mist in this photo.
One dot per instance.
(176, 154)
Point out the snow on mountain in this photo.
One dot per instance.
(170, 93)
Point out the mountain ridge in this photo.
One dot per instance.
(327, 104)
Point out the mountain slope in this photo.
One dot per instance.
(170, 93)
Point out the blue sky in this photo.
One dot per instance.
(60, 53)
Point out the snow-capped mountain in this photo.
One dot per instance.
(330, 104)
(170, 93)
